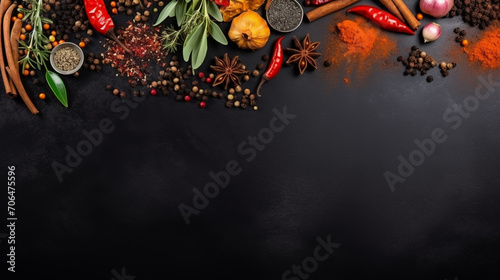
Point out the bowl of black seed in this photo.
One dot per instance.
(284, 15)
(66, 58)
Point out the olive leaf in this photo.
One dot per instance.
(56, 84)
(168, 11)
(213, 10)
(200, 52)
(216, 33)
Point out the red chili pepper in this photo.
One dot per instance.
(101, 21)
(383, 19)
(275, 65)
(316, 2)
(224, 3)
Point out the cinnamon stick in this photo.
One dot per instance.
(24, 95)
(7, 83)
(14, 40)
(328, 8)
(407, 14)
(12, 69)
(393, 9)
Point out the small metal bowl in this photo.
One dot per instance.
(276, 6)
(63, 45)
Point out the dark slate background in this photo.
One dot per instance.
(321, 176)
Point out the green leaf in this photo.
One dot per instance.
(166, 12)
(200, 52)
(214, 11)
(217, 34)
(180, 11)
(56, 84)
(192, 41)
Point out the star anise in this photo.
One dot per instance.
(303, 54)
(227, 70)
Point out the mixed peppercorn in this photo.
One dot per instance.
(420, 61)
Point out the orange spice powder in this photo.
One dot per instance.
(487, 49)
(359, 46)
(358, 41)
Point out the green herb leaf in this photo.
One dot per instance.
(192, 42)
(56, 84)
(180, 11)
(200, 52)
(214, 11)
(216, 33)
(168, 11)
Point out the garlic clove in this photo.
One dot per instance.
(431, 32)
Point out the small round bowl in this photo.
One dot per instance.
(276, 5)
(63, 45)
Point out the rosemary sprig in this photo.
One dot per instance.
(37, 53)
(173, 38)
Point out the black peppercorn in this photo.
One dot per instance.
(265, 57)
(430, 79)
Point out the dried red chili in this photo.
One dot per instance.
(145, 43)
(101, 21)
(316, 2)
(275, 65)
(383, 19)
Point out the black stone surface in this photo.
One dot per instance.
(321, 177)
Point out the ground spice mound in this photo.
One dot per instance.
(487, 49)
(359, 46)
(145, 43)
(358, 41)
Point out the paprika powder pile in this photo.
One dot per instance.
(487, 49)
(357, 45)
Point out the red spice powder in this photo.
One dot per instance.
(487, 49)
(144, 41)
(359, 46)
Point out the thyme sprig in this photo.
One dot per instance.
(36, 52)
